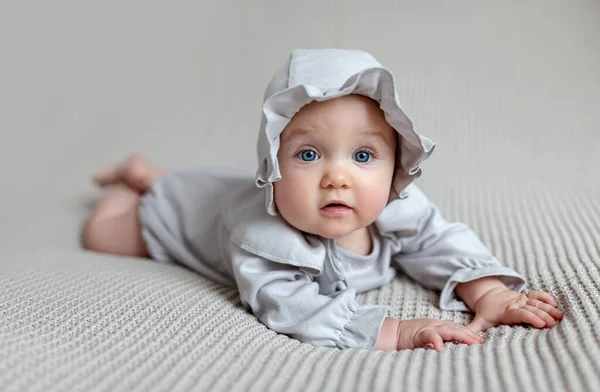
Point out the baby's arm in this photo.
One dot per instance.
(441, 254)
(450, 257)
(287, 300)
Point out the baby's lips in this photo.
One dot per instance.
(335, 202)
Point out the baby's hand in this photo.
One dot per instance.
(505, 306)
(423, 332)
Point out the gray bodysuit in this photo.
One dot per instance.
(224, 224)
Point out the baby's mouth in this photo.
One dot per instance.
(335, 208)
(333, 203)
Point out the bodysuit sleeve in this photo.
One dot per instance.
(286, 299)
(441, 254)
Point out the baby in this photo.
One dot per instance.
(330, 212)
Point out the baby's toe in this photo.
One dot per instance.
(105, 176)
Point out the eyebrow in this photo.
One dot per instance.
(295, 132)
(376, 133)
(299, 132)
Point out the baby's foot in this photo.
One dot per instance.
(134, 171)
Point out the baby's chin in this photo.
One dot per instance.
(332, 233)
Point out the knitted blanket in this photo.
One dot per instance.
(75, 321)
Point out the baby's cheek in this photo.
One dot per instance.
(292, 185)
(375, 196)
(290, 194)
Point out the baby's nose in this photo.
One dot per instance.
(336, 178)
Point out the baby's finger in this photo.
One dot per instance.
(521, 315)
(542, 296)
(551, 310)
(429, 336)
(469, 331)
(458, 332)
(548, 320)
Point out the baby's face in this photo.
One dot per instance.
(336, 160)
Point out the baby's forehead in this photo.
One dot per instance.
(314, 131)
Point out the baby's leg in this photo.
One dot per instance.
(114, 226)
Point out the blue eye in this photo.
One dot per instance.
(362, 157)
(308, 155)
